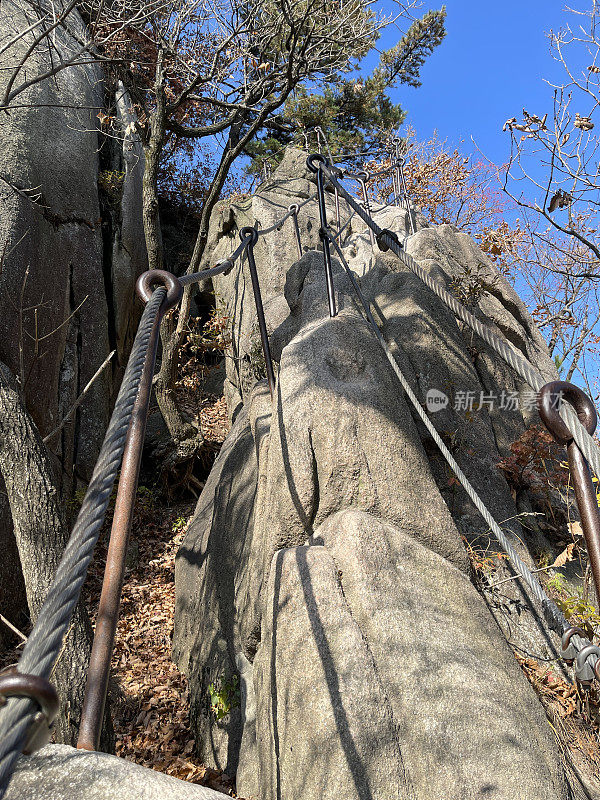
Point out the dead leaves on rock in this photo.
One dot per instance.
(549, 687)
(575, 713)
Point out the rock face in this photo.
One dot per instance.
(70, 252)
(58, 772)
(326, 568)
(373, 636)
(51, 231)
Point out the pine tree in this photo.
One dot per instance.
(355, 114)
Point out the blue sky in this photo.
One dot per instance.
(492, 62)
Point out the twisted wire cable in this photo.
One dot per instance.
(276, 225)
(555, 617)
(227, 263)
(223, 266)
(44, 643)
(504, 349)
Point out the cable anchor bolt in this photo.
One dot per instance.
(41, 691)
(568, 652)
(584, 672)
(380, 237)
(314, 162)
(325, 233)
(222, 263)
(154, 278)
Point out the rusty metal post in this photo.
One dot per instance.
(311, 162)
(92, 714)
(409, 211)
(294, 209)
(397, 177)
(337, 209)
(396, 190)
(363, 177)
(550, 396)
(252, 235)
(402, 187)
(319, 131)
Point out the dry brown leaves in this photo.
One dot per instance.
(574, 714)
(210, 412)
(551, 688)
(150, 696)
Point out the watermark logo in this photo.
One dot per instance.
(436, 400)
(467, 400)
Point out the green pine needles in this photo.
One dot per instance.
(355, 114)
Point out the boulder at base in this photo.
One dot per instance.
(59, 772)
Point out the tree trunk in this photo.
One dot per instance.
(153, 147)
(187, 438)
(41, 535)
(13, 602)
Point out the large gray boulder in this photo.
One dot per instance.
(68, 265)
(222, 526)
(342, 593)
(314, 676)
(59, 772)
(50, 232)
(376, 669)
(290, 183)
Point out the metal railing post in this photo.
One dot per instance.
(312, 162)
(550, 396)
(320, 131)
(396, 188)
(409, 211)
(363, 177)
(396, 143)
(294, 209)
(402, 187)
(92, 714)
(251, 236)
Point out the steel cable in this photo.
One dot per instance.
(44, 643)
(531, 375)
(554, 616)
(227, 263)
(279, 223)
(222, 266)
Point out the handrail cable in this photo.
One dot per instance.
(21, 706)
(20, 713)
(588, 660)
(559, 622)
(44, 643)
(504, 349)
(226, 264)
(554, 616)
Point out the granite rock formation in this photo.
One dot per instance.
(326, 567)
